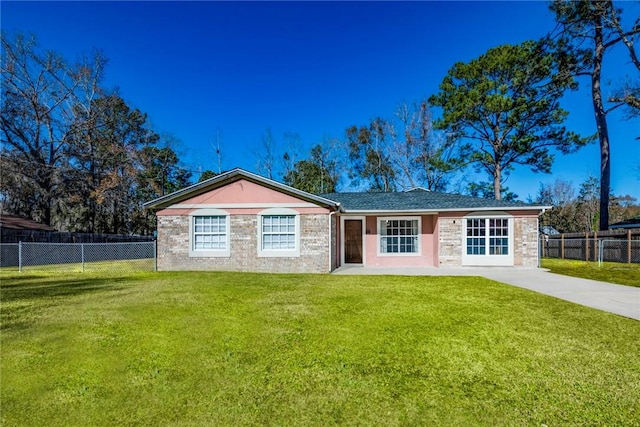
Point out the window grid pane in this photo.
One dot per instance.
(476, 230)
(499, 245)
(279, 232)
(210, 233)
(399, 236)
(496, 239)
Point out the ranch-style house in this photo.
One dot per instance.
(240, 221)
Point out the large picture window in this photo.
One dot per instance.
(487, 239)
(492, 233)
(399, 235)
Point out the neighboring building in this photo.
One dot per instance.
(627, 224)
(15, 228)
(14, 222)
(244, 222)
(549, 230)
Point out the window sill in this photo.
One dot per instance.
(278, 254)
(209, 254)
(399, 254)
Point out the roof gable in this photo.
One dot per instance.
(226, 185)
(242, 191)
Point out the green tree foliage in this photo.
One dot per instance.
(506, 105)
(587, 31)
(403, 152)
(485, 190)
(588, 204)
(561, 196)
(74, 156)
(319, 174)
(109, 154)
(579, 210)
(40, 92)
(207, 174)
(421, 156)
(369, 159)
(161, 173)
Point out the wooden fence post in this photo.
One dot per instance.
(586, 246)
(595, 246)
(628, 246)
(562, 246)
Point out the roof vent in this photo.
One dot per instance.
(416, 189)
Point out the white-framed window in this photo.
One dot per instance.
(488, 239)
(399, 236)
(498, 236)
(491, 233)
(209, 233)
(279, 233)
(476, 236)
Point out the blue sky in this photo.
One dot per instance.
(311, 68)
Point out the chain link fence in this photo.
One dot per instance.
(619, 251)
(78, 257)
(595, 250)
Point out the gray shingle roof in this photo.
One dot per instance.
(419, 200)
(414, 200)
(629, 223)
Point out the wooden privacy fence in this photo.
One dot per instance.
(614, 245)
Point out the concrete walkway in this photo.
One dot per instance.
(617, 299)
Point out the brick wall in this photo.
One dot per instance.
(173, 247)
(525, 240)
(450, 241)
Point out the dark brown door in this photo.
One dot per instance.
(353, 241)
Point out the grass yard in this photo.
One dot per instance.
(235, 349)
(612, 272)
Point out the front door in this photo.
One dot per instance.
(353, 241)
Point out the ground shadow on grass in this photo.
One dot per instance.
(36, 287)
(21, 297)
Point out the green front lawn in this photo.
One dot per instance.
(612, 272)
(189, 349)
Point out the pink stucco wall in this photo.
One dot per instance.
(428, 243)
(243, 192)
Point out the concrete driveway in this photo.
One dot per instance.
(617, 299)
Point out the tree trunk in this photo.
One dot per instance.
(497, 183)
(601, 124)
